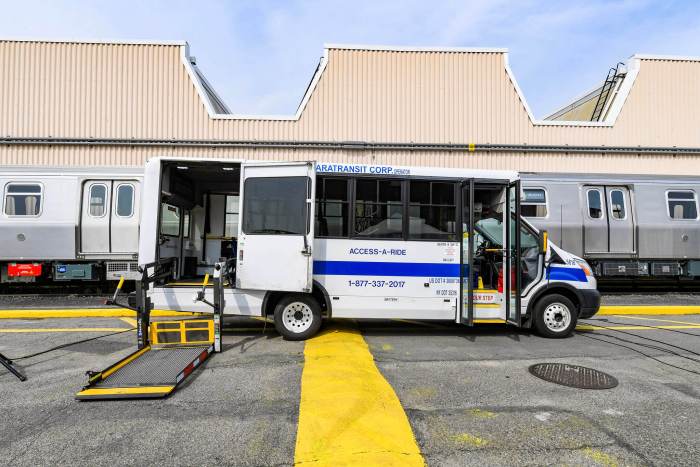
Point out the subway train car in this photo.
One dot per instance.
(628, 227)
(77, 224)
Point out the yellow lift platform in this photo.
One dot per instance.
(168, 351)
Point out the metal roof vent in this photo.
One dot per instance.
(193, 60)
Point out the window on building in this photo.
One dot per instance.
(332, 207)
(432, 210)
(534, 203)
(276, 206)
(595, 204)
(97, 200)
(169, 220)
(378, 208)
(617, 204)
(231, 216)
(682, 205)
(23, 199)
(125, 200)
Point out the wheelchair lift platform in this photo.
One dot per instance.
(168, 350)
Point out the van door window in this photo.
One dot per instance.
(595, 205)
(231, 216)
(169, 220)
(23, 199)
(275, 206)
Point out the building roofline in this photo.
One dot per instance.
(676, 58)
(179, 43)
(400, 48)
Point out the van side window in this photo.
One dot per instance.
(595, 209)
(98, 199)
(617, 204)
(276, 206)
(169, 220)
(231, 216)
(378, 208)
(332, 207)
(535, 203)
(23, 199)
(682, 205)
(125, 200)
(432, 210)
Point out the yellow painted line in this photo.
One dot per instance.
(349, 414)
(649, 310)
(591, 327)
(657, 319)
(35, 313)
(126, 391)
(490, 321)
(130, 321)
(28, 330)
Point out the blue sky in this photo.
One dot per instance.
(260, 55)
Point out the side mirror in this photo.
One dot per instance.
(544, 241)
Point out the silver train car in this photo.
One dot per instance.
(626, 226)
(77, 224)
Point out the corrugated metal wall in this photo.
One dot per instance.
(123, 91)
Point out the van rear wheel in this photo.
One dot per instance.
(555, 316)
(297, 317)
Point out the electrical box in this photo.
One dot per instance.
(70, 272)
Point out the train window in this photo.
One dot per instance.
(535, 203)
(617, 204)
(125, 200)
(23, 199)
(169, 220)
(332, 207)
(432, 210)
(231, 216)
(378, 208)
(97, 200)
(682, 205)
(595, 205)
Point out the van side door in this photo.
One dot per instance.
(276, 231)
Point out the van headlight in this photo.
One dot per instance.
(586, 267)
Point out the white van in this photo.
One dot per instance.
(304, 240)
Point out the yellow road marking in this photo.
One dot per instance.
(130, 321)
(349, 414)
(84, 313)
(23, 330)
(649, 310)
(657, 319)
(591, 327)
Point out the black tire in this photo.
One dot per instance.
(297, 317)
(555, 316)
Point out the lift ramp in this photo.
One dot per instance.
(175, 349)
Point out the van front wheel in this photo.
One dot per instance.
(297, 317)
(555, 316)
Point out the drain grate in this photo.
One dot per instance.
(573, 376)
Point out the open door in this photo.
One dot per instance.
(276, 234)
(511, 252)
(466, 315)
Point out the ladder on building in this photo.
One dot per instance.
(167, 351)
(605, 91)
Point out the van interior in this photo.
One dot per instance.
(198, 217)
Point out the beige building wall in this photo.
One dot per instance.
(121, 103)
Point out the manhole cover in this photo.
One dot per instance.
(573, 376)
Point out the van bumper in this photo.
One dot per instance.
(590, 302)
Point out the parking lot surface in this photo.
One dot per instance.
(466, 396)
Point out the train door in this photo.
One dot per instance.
(95, 217)
(276, 231)
(125, 217)
(109, 217)
(608, 223)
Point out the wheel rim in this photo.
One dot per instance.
(297, 317)
(557, 317)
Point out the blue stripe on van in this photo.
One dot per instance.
(366, 268)
(566, 274)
